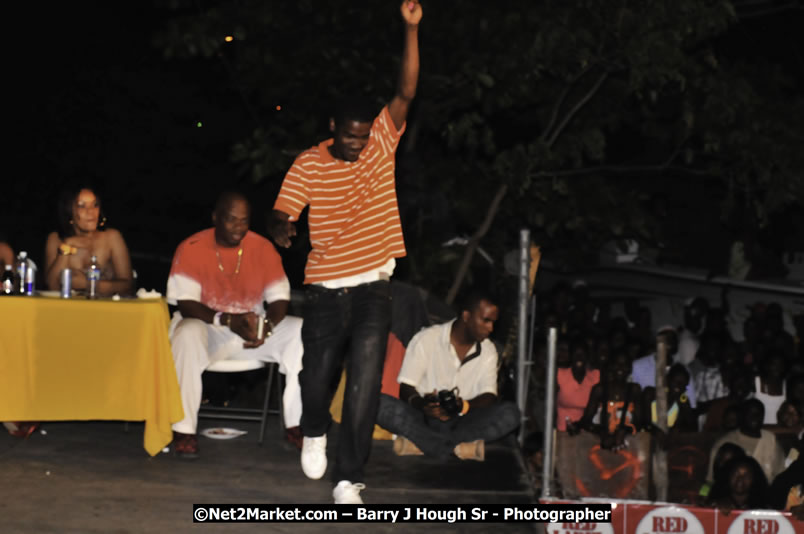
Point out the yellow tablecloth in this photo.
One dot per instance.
(77, 359)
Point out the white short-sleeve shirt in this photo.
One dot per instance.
(431, 363)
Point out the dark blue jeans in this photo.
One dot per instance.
(345, 327)
(438, 438)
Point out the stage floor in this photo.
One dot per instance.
(95, 477)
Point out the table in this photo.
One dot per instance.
(79, 359)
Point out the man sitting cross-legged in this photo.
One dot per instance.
(456, 357)
(219, 279)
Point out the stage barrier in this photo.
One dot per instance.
(658, 518)
(584, 470)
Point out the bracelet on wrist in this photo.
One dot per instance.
(465, 407)
(270, 324)
(67, 250)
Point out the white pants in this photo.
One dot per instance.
(197, 345)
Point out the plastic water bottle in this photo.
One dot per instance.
(30, 277)
(93, 277)
(22, 271)
(8, 281)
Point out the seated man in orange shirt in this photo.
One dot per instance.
(219, 280)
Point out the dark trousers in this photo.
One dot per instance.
(347, 326)
(438, 438)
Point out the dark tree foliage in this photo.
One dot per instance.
(601, 120)
(661, 121)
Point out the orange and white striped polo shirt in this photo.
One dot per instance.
(354, 217)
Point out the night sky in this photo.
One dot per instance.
(93, 98)
(97, 103)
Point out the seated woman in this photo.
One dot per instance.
(614, 407)
(6, 255)
(574, 385)
(724, 454)
(742, 486)
(788, 417)
(680, 415)
(82, 235)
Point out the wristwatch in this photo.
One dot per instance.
(270, 324)
(464, 408)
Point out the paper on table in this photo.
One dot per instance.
(152, 294)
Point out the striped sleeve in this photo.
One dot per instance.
(295, 192)
(386, 131)
(354, 216)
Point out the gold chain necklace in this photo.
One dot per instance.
(239, 257)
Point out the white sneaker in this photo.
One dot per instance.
(347, 493)
(314, 456)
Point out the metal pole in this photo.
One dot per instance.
(525, 417)
(522, 334)
(549, 406)
(660, 476)
(531, 335)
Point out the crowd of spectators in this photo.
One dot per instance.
(746, 392)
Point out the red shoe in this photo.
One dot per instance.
(22, 429)
(185, 445)
(294, 436)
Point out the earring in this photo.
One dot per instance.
(103, 221)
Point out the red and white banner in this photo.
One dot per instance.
(643, 518)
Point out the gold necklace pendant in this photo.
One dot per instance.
(237, 267)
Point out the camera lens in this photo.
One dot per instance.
(448, 401)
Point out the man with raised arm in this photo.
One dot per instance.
(355, 232)
(223, 280)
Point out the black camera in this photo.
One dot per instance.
(448, 399)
